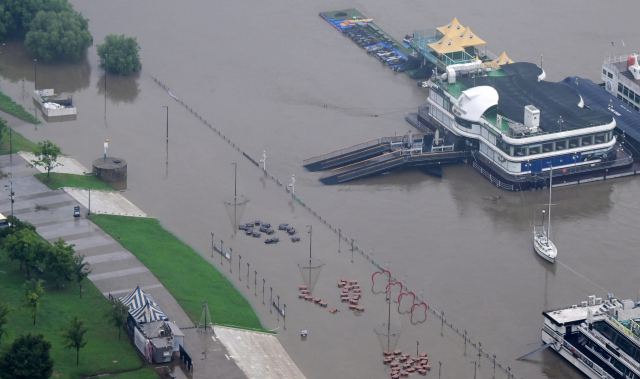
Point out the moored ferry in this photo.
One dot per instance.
(517, 126)
(601, 339)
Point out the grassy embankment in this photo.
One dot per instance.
(185, 274)
(104, 353)
(57, 180)
(16, 110)
(18, 143)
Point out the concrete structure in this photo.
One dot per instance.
(51, 106)
(110, 170)
(69, 164)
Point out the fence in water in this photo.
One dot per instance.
(477, 345)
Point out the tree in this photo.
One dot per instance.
(16, 15)
(16, 226)
(33, 296)
(47, 156)
(62, 36)
(25, 246)
(73, 336)
(5, 309)
(59, 260)
(80, 270)
(117, 314)
(27, 358)
(119, 54)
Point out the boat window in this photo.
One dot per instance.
(610, 75)
(560, 145)
(534, 149)
(604, 72)
(637, 99)
(547, 147)
(503, 145)
(632, 95)
(573, 143)
(463, 123)
(620, 97)
(626, 91)
(519, 151)
(619, 87)
(601, 138)
(587, 141)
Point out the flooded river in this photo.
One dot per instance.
(277, 78)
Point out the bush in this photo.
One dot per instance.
(119, 54)
(16, 15)
(60, 36)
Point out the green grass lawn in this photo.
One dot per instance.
(104, 353)
(11, 107)
(145, 373)
(18, 143)
(57, 180)
(185, 274)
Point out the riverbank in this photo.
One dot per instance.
(59, 180)
(15, 109)
(185, 274)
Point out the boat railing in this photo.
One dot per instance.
(621, 78)
(492, 178)
(335, 153)
(571, 349)
(622, 355)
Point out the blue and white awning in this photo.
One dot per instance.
(142, 307)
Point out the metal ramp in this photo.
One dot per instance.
(353, 154)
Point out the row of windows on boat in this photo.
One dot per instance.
(620, 341)
(527, 150)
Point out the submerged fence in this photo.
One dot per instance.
(367, 256)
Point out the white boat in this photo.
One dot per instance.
(542, 239)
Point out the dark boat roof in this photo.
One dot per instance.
(519, 87)
(596, 97)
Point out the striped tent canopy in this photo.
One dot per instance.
(142, 307)
(136, 299)
(148, 313)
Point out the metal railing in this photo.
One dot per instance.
(335, 153)
(492, 178)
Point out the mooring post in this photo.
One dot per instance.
(239, 260)
(263, 280)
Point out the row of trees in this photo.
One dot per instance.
(52, 29)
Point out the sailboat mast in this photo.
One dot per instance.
(550, 186)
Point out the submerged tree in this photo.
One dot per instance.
(119, 54)
(46, 156)
(62, 36)
(73, 336)
(28, 357)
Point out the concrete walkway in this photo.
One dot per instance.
(114, 269)
(105, 202)
(259, 355)
(69, 164)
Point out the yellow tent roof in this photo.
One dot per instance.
(455, 25)
(503, 59)
(456, 40)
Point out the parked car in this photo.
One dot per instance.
(256, 222)
(272, 240)
(249, 231)
(295, 239)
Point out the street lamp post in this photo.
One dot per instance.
(439, 369)
(264, 160)
(353, 239)
(35, 74)
(166, 106)
(89, 211)
(235, 181)
(255, 283)
(284, 316)
(231, 253)
(263, 280)
(106, 56)
(475, 367)
(270, 299)
(247, 274)
(211, 244)
(10, 188)
(278, 306)
(417, 349)
(239, 260)
(339, 238)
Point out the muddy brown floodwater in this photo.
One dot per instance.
(276, 77)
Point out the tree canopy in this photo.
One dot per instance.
(59, 260)
(119, 54)
(47, 156)
(73, 336)
(5, 309)
(60, 36)
(27, 358)
(80, 270)
(33, 291)
(15, 15)
(26, 247)
(116, 315)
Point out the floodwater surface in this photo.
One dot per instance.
(275, 77)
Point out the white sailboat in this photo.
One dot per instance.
(542, 239)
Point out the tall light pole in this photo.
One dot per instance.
(439, 368)
(339, 238)
(239, 260)
(235, 181)
(270, 299)
(310, 237)
(278, 306)
(293, 184)
(35, 74)
(10, 188)
(247, 274)
(263, 280)
(166, 106)
(475, 367)
(255, 283)
(264, 160)
(211, 244)
(89, 211)
(106, 56)
(353, 239)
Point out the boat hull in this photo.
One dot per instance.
(542, 250)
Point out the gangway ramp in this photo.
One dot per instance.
(388, 162)
(348, 155)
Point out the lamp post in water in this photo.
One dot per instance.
(239, 260)
(353, 239)
(211, 244)
(263, 280)
(235, 182)
(35, 74)
(270, 299)
(339, 238)
(166, 106)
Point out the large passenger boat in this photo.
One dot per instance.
(517, 126)
(601, 339)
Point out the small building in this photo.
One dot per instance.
(52, 106)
